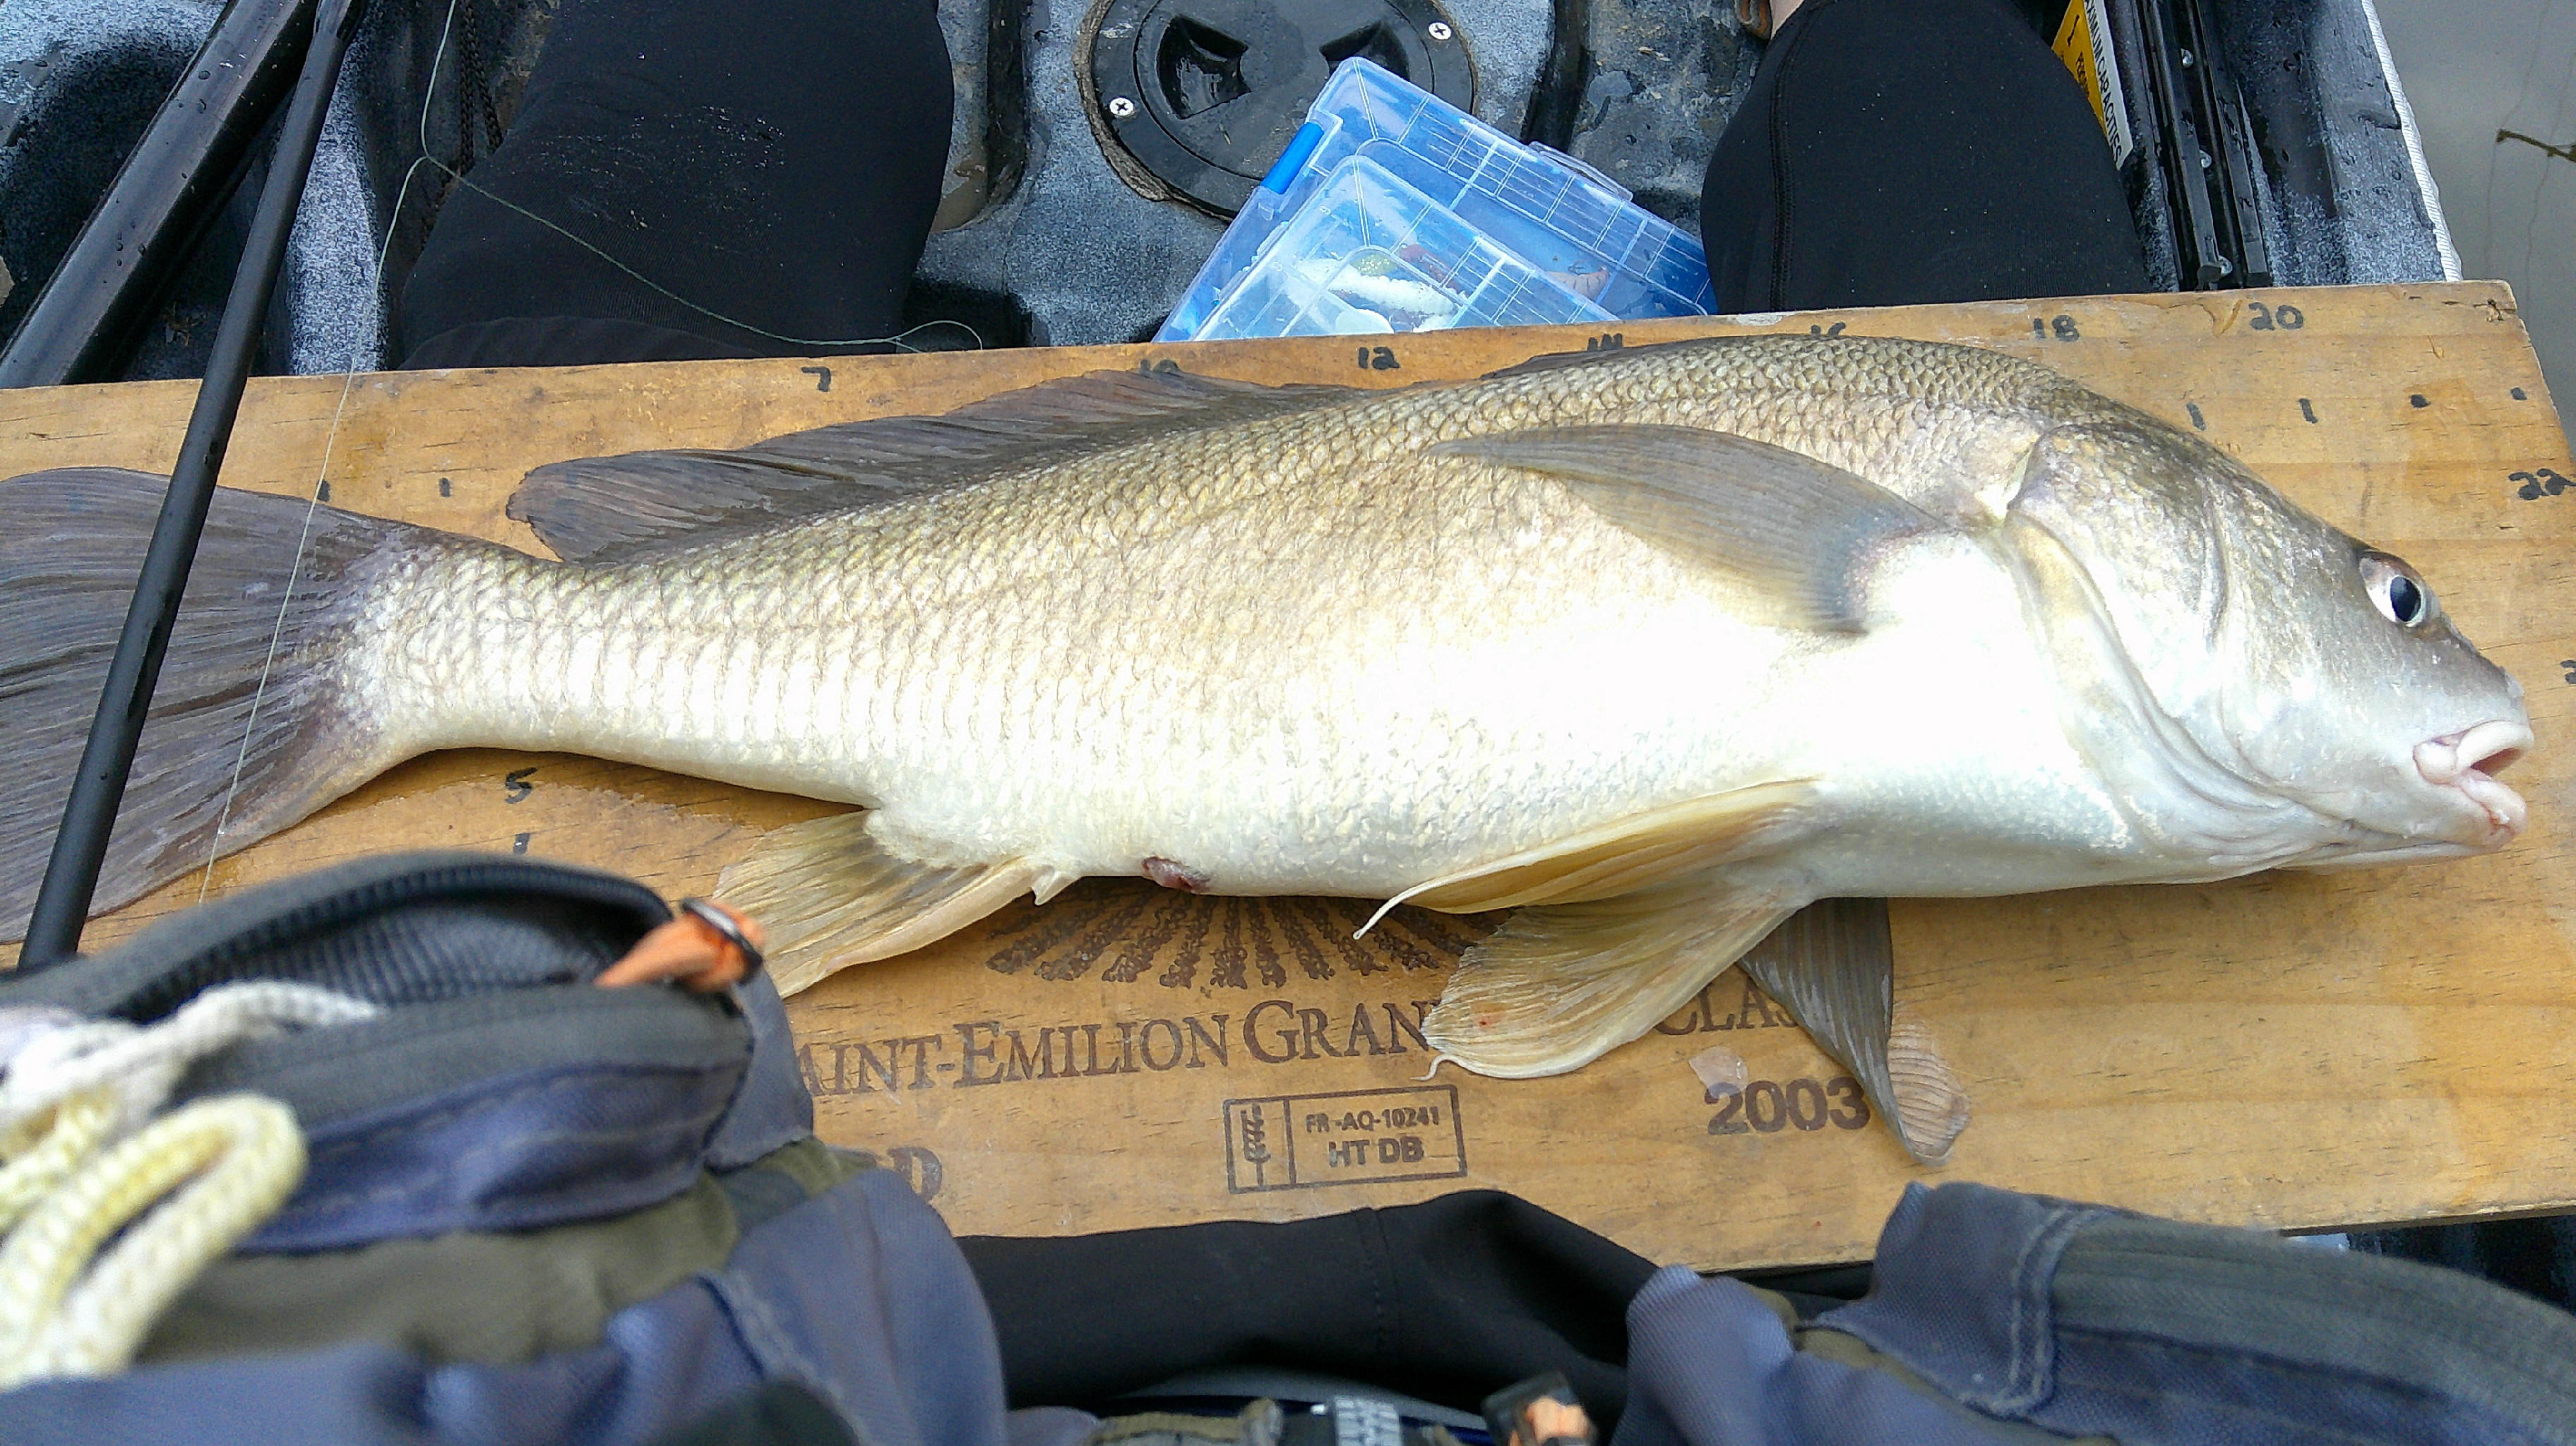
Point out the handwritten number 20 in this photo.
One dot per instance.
(2538, 483)
(2269, 318)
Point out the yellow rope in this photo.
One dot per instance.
(43, 1152)
(171, 1195)
(233, 1160)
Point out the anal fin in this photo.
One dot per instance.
(1556, 987)
(831, 896)
(1832, 967)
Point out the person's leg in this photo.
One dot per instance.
(772, 162)
(1448, 1300)
(1898, 151)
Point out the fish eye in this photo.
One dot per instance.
(2395, 590)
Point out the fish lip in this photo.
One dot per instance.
(2460, 762)
(2395, 852)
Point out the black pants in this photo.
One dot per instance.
(1900, 151)
(778, 163)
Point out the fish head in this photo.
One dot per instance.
(2309, 685)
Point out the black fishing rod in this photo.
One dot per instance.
(89, 816)
(168, 194)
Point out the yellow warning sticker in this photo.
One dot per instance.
(2083, 42)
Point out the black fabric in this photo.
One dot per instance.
(1892, 152)
(1812, 1292)
(1450, 1300)
(563, 341)
(772, 161)
(2043, 16)
(2536, 1257)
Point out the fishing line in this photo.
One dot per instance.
(2548, 172)
(2530, 64)
(349, 380)
(313, 498)
(896, 340)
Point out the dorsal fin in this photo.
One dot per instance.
(609, 509)
(1557, 361)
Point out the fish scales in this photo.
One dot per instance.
(976, 626)
(1653, 646)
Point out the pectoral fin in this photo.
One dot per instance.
(1624, 855)
(1832, 968)
(1804, 530)
(831, 897)
(1559, 986)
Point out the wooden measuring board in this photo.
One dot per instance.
(2299, 1051)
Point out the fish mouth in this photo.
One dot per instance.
(2467, 763)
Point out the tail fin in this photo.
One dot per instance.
(71, 543)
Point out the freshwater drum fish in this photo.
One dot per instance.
(1654, 647)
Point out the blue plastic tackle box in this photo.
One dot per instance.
(1394, 211)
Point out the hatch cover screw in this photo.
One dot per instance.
(1121, 107)
(1438, 30)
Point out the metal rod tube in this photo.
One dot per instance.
(80, 846)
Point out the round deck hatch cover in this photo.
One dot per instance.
(1205, 94)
